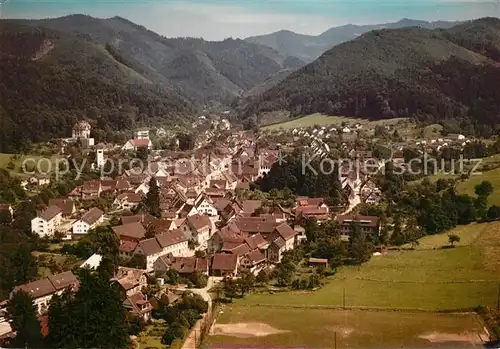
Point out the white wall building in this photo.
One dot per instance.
(47, 221)
(89, 221)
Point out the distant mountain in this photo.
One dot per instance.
(203, 71)
(430, 74)
(308, 48)
(51, 79)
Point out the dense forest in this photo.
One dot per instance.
(202, 71)
(431, 74)
(50, 80)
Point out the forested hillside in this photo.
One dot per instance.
(204, 71)
(51, 79)
(431, 74)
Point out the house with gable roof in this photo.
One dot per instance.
(283, 239)
(47, 221)
(89, 220)
(198, 228)
(172, 242)
(42, 290)
(134, 144)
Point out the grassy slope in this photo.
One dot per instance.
(324, 120)
(5, 158)
(426, 279)
(492, 176)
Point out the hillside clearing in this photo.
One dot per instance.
(325, 120)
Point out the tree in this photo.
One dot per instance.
(186, 141)
(483, 189)
(153, 198)
(97, 318)
(360, 248)
(285, 272)
(493, 213)
(262, 277)
(453, 238)
(174, 330)
(5, 217)
(61, 322)
(24, 265)
(230, 288)
(246, 282)
(142, 154)
(137, 261)
(172, 276)
(22, 315)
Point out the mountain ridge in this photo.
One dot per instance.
(310, 47)
(439, 74)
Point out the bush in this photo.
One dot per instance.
(174, 331)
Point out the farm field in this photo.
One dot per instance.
(320, 328)
(430, 279)
(324, 120)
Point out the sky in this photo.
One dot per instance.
(219, 19)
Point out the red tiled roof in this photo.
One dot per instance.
(66, 205)
(92, 216)
(139, 142)
(285, 231)
(128, 246)
(144, 218)
(307, 201)
(256, 241)
(256, 256)
(256, 227)
(50, 212)
(132, 230)
(251, 205)
(199, 221)
(225, 261)
(366, 221)
(171, 238)
(150, 247)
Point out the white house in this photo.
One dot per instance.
(141, 134)
(47, 221)
(133, 144)
(89, 220)
(127, 201)
(81, 130)
(204, 205)
(198, 228)
(174, 242)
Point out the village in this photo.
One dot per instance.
(208, 223)
(205, 225)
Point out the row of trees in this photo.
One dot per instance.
(179, 317)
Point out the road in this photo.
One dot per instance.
(191, 339)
